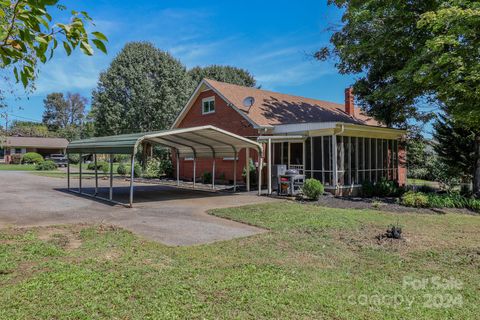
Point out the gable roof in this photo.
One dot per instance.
(273, 108)
(35, 142)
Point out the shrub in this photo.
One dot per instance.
(122, 169)
(74, 158)
(46, 165)
(137, 170)
(32, 158)
(101, 165)
(16, 158)
(253, 173)
(415, 199)
(312, 189)
(207, 177)
(121, 158)
(153, 168)
(382, 188)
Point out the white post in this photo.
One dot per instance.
(213, 174)
(111, 177)
(178, 168)
(247, 168)
(235, 171)
(132, 175)
(269, 169)
(194, 169)
(96, 173)
(334, 158)
(68, 172)
(260, 160)
(80, 177)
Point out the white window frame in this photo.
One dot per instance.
(229, 158)
(188, 159)
(209, 99)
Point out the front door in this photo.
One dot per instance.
(295, 156)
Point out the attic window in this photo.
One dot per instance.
(208, 105)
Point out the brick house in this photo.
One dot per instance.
(21, 145)
(334, 143)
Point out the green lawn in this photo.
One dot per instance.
(17, 167)
(314, 263)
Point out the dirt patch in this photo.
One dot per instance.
(67, 238)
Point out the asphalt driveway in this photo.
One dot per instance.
(167, 214)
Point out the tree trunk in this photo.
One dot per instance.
(476, 174)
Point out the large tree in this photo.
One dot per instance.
(227, 74)
(142, 90)
(409, 52)
(61, 112)
(28, 35)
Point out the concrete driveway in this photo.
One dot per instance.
(167, 214)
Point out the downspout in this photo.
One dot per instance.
(335, 167)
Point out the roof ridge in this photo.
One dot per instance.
(274, 92)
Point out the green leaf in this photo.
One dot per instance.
(100, 45)
(15, 72)
(100, 36)
(41, 40)
(86, 48)
(67, 48)
(24, 78)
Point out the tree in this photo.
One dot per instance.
(60, 112)
(223, 73)
(411, 51)
(455, 146)
(29, 129)
(143, 89)
(28, 35)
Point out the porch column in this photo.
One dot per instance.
(247, 168)
(68, 172)
(96, 173)
(80, 174)
(334, 156)
(132, 175)
(235, 171)
(269, 170)
(110, 195)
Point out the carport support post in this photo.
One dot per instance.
(235, 171)
(178, 168)
(269, 170)
(68, 172)
(260, 166)
(96, 174)
(213, 173)
(194, 169)
(80, 172)
(132, 175)
(110, 195)
(247, 167)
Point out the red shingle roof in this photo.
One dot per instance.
(273, 108)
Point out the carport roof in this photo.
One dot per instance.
(201, 142)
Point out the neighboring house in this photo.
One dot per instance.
(334, 143)
(20, 145)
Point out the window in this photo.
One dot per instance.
(18, 150)
(208, 105)
(188, 158)
(229, 158)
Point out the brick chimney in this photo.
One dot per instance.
(349, 103)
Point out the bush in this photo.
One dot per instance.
(153, 168)
(122, 169)
(415, 199)
(253, 173)
(101, 166)
(32, 158)
(74, 158)
(121, 158)
(46, 165)
(312, 189)
(16, 158)
(382, 188)
(207, 177)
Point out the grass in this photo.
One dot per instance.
(314, 263)
(17, 167)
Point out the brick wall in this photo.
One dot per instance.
(225, 118)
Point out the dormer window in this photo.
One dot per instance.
(208, 105)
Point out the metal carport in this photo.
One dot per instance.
(196, 142)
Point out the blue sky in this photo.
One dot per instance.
(272, 39)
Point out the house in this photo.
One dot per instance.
(334, 143)
(20, 145)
